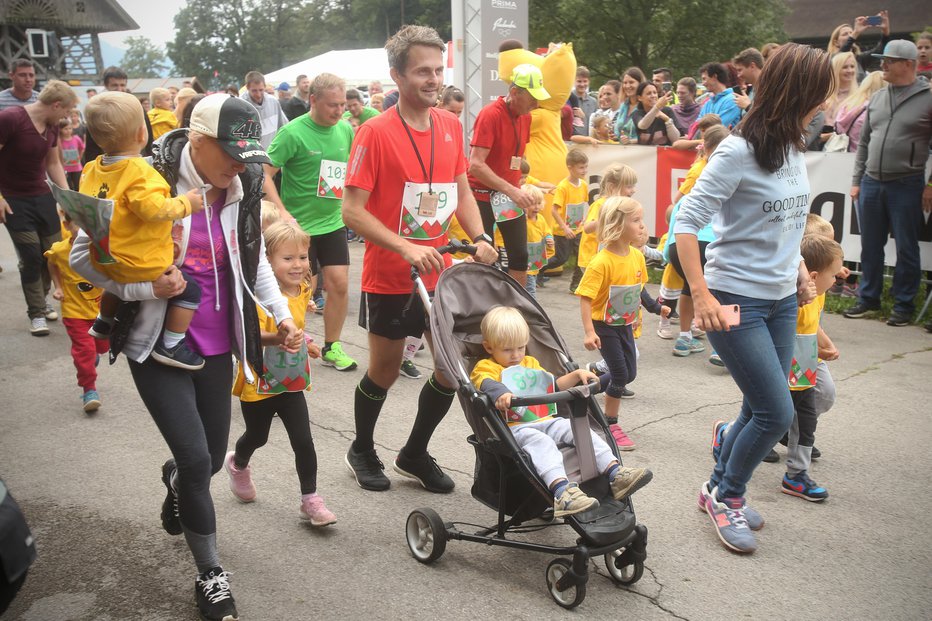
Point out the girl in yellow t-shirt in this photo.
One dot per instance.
(610, 298)
(280, 384)
(617, 180)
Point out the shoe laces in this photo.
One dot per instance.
(371, 460)
(216, 586)
(735, 514)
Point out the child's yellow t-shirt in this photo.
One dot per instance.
(613, 282)
(802, 374)
(572, 203)
(693, 174)
(455, 231)
(143, 211)
(162, 121)
(588, 242)
(487, 368)
(298, 307)
(81, 299)
(538, 232)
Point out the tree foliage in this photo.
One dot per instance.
(143, 58)
(608, 37)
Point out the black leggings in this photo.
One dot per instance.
(678, 266)
(291, 407)
(514, 234)
(192, 411)
(620, 355)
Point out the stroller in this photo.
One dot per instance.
(504, 478)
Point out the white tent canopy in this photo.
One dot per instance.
(357, 67)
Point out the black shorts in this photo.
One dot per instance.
(329, 249)
(384, 314)
(678, 267)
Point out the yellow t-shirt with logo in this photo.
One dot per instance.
(487, 368)
(608, 269)
(568, 194)
(588, 242)
(538, 230)
(807, 327)
(81, 299)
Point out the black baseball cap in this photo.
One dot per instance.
(234, 123)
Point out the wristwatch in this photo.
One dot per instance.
(482, 237)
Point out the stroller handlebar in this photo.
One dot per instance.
(564, 396)
(453, 246)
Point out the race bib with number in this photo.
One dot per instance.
(525, 382)
(575, 214)
(536, 254)
(332, 179)
(417, 223)
(504, 208)
(283, 371)
(622, 306)
(805, 361)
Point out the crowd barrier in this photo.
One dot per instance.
(660, 171)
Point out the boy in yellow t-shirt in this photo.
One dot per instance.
(570, 205)
(505, 335)
(540, 246)
(160, 114)
(823, 257)
(140, 241)
(79, 300)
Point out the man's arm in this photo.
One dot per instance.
(467, 213)
(487, 177)
(271, 193)
(54, 167)
(860, 160)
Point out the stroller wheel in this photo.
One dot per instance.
(426, 535)
(629, 574)
(570, 597)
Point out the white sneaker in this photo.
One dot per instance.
(697, 332)
(666, 329)
(39, 326)
(50, 313)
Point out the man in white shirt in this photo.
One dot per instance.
(270, 111)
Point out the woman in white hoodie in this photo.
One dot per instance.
(221, 248)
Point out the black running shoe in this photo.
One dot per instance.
(772, 457)
(170, 520)
(860, 309)
(627, 394)
(179, 356)
(426, 471)
(367, 468)
(214, 599)
(100, 329)
(816, 453)
(898, 319)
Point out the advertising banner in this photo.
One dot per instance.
(501, 20)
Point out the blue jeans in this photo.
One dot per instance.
(897, 206)
(758, 353)
(530, 285)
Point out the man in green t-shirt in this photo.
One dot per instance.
(312, 151)
(356, 110)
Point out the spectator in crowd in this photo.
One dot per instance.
(391, 99)
(889, 181)
(375, 101)
(844, 68)
(624, 126)
(453, 100)
(77, 124)
(748, 64)
(115, 79)
(173, 92)
(609, 103)
(300, 102)
(284, 93)
(28, 152)
(232, 90)
(375, 88)
(145, 103)
(924, 47)
(186, 117)
(663, 80)
(867, 60)
(653, 118)
(715, 79)
(686, 111)
(587, 104)
(90, 92)
(356, 109)
(839, 37)
(182, 101)
(853, 111)
(270, 110)
(161, 117)
(23, 76)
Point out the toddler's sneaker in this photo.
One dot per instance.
(314, 510)
(573, 500)
(50, 313)
(214, 599)
(627, 394)
(718, 437)
(716, 360)
(685, 346)
(803, 487)
(622, 440)
(755, 521)
(180, 356)
(335, 357)
(91, 401)
(629, 480)
(666, 330)
(850, 291)
(409, 369)
(240, 479)
(697, 332)
(599, 367)
(100, 329)
(731, 524)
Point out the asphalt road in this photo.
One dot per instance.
(90, 488)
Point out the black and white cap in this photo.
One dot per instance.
(234, 123)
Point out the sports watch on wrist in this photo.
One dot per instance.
(482, 237)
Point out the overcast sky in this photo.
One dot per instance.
(155, 19)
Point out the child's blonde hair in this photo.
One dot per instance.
(269, 214)
(535, 193)
(817, 225)
(709, 120)
(598, 122)
(158, 94)
(113, 118)
(503, 326)
(282, 233)
(712, 137)
(819, 252)
(616, 178)
(612, 217)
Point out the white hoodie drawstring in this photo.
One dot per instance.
(210, 238)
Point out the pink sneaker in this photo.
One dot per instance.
(240, 480)
(316, 511)
(621, 438)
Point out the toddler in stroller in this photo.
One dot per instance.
(505, 335)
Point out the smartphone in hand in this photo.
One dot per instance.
(732, 314)
(874, 20)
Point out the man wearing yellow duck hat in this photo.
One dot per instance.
(500, 135)
(546, 151)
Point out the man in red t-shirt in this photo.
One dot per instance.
(28, 150)
(499, 137)
(406, 178)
